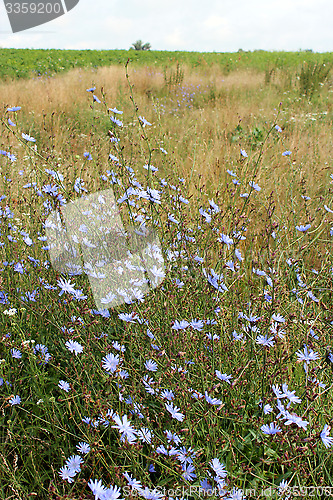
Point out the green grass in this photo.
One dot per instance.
(26, 63)
(273, 280)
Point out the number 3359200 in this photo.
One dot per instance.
(33, 8)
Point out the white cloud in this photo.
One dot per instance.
(215, 22)
(175, 39)
(183, 25)
(119, 25)
(216, 29)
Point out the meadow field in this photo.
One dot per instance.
(211, 377)
(30, 63)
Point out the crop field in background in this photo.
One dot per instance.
(217, 383)
(25, 63)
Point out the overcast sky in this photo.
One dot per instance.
(192, 25)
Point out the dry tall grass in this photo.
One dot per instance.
(195, 120)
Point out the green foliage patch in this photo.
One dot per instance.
(26, 63)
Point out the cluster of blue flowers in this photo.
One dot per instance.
(160, 380)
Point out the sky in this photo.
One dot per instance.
(191, 25)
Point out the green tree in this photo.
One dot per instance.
(138, 45)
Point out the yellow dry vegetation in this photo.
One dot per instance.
(196, 120)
